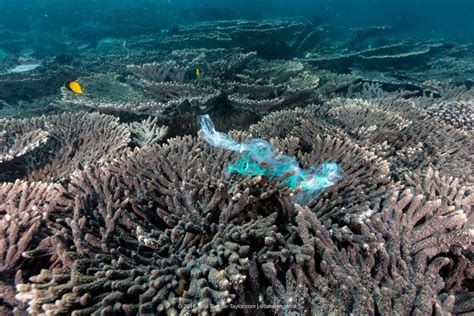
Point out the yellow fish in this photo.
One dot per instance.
(198, 72)
(75, 87)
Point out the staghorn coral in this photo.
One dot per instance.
(25, 210)
(23, 109)
(165, 89)
(448, 92)
(262, 106)
(111, 60)
(174, 98)
(108, 92)
(288, 76)
(366, 179)
(41, 83)
(366, 122)
(196, 39)
(142, 236)
(280, 123)
(450, 190)
(393, 128)
(197, 56)
(426, 142)
(230, 66)
(265, 87)
(390, 138)
(459, 114)
(146, 132)
(132, 224)
(52, 147)
(270, 38)
(362, 34)
(452, 67)
(347, 269)
(16, 87)
(180, 255)
(330, 82)
(273, 72)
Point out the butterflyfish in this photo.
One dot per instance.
(75, 87)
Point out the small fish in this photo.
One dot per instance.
(75, 87)
(198, 72)
(23, 68)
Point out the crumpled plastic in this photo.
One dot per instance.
(258, 157)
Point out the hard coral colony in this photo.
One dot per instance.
(336, 186)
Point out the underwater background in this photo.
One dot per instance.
(162, 157)
(435, 18)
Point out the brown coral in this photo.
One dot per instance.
(19, 154)
(142, 236)
(25, 214)
(53, 147)
(133, 223)
(459, 114)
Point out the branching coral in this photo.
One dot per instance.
(426, 142)
(401, 55)
(366, 122)
(397, 251)
(129, 222)
(112, 93)
(146, 132)
(107, 92)
(27, 87)
(366, 176)
(138, 235)
(459, 114)
(52, 147)
(312, 141)
(450, 190)
(19, 154)
(184, 252)
(25, 210)
(24, 109)
(259, 36)
(159, 72)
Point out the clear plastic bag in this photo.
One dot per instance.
(258, 157)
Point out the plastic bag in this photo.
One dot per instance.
(258, 157)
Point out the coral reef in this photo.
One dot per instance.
(112, 203)
(25, 216)
(52, 147)
(146, 132)
(145, 237)
(459, 114)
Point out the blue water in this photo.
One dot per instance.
(452, 19)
